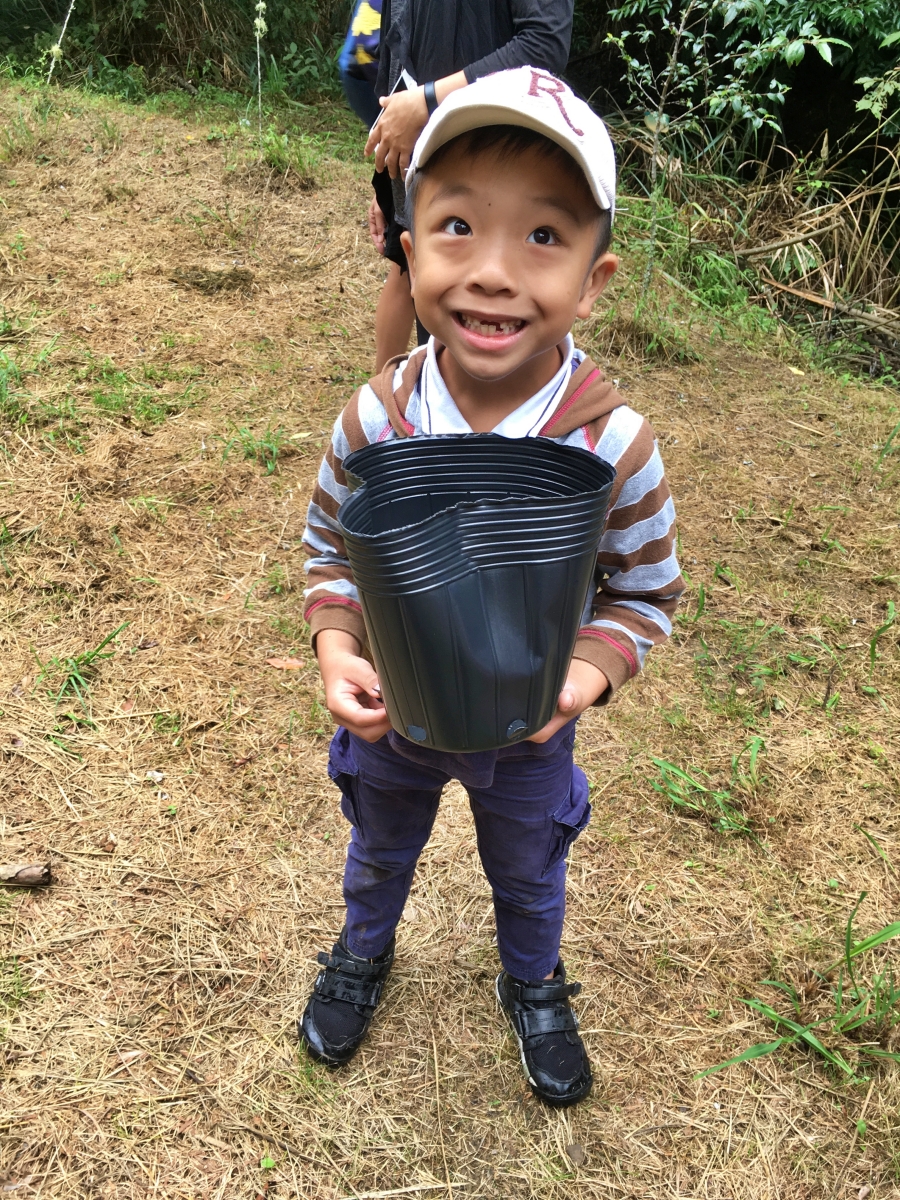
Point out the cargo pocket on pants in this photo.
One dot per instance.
(565, 825)
(343, 770)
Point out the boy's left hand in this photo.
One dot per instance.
(584, 684)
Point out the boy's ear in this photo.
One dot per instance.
(409, 249)
(597, 278)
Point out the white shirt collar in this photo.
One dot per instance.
(438, 412)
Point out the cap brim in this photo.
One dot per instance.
(475, 116)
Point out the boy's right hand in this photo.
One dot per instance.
(352, 691)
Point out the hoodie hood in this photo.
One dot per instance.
(589, 396)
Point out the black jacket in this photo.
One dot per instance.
(434, 38)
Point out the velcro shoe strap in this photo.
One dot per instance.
(544, 993)
(361, 968)
(536, 1022)
(336, 986)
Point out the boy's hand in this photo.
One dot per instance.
(352, 692)
(584, 684)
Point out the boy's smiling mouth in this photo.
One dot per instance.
(490, 326)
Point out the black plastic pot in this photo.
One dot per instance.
(473, 555)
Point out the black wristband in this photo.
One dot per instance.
(431, 100)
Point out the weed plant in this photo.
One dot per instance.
(32, 133)
(263, 449)
(73, 674)
(720, 807)
(110, 390)
(229, 225)
(860, 1011)
(119, 394)
(14, 988)
(288, 155)
(20, 407)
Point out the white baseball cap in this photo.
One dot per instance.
(535, 100)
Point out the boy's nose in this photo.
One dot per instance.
(493, 270)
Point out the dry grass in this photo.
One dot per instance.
(149, 996)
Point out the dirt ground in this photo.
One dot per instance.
(179, 326)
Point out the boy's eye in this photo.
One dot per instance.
(457, 227)
(542, 237)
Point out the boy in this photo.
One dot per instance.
(511, 193)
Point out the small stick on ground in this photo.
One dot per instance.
(26, 875)
(437, 1092)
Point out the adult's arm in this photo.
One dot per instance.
(543, 33)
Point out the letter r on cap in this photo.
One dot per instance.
(555, 88)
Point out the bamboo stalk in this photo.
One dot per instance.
(888, 323)
(794, 241)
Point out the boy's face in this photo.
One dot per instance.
(503, 259)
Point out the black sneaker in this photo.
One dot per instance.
(343, 1003)
(553, 1054)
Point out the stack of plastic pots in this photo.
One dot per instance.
(473, 555)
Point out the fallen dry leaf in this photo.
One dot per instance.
(146, 644)
(286, 664)
(108, 843)
(13, 1185)
(576, 1153)
(128, 1056)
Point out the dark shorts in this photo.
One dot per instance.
(384, 194)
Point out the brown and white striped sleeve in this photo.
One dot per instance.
(331, 598)
(640, 582)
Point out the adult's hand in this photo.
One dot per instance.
(402, 120)
(352, 692)
(584, 684)
(377, 225)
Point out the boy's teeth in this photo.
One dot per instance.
(490, 328)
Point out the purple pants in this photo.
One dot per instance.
(529, 802)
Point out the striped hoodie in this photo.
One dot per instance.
(638, 582)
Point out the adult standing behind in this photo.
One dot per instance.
(441, 45)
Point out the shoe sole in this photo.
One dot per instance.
(568, 1101)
